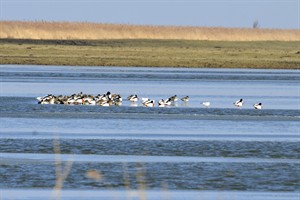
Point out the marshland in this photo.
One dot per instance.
(183, 151)
(88, 44)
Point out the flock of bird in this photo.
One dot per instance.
(109, 99)
(240, 103)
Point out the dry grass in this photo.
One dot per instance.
(94, 31)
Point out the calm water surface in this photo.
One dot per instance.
(184, 150)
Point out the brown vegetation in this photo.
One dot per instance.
(95, 31)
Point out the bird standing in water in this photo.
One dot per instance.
(257, 106)
(206, 104)
(239, 103)
(185, 99)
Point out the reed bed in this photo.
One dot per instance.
(43, 30)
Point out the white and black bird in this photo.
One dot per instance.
(149, 103)
(239, 103)
(173, 98)
(258, 106)
(161, 103)
(133, 98)
(185, 99)
(206, 104)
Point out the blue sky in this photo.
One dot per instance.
(282, 14)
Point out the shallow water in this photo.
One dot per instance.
(35, 194)
(180, 148)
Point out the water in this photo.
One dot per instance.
(183, 151)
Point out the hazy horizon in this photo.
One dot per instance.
(275, 14)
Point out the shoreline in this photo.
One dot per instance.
(152, 53)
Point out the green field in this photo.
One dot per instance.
(152, 53)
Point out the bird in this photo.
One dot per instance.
(104, 103)
(206, 104)
(185, 99)
(39, 99)
(239, 103)
(164, 102)
(258, 106)
(117, 97)
(161, 103)
(173, 98)
(133, 98)
(144, 99)
(168, 102)
(149, 103)
(108, 94)
(46, 99)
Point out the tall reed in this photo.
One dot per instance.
(95, 31)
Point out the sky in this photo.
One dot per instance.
(282, 14)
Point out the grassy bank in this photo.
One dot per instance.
(154, 53)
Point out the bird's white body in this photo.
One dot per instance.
(206, 104)
(145, 99)
(149, 103)
(185, 99)
(239, 103)
(133, 98)
(258, 106)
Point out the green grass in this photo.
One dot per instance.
(152, 53)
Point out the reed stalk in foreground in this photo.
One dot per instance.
(60, 171)
(63, 172)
